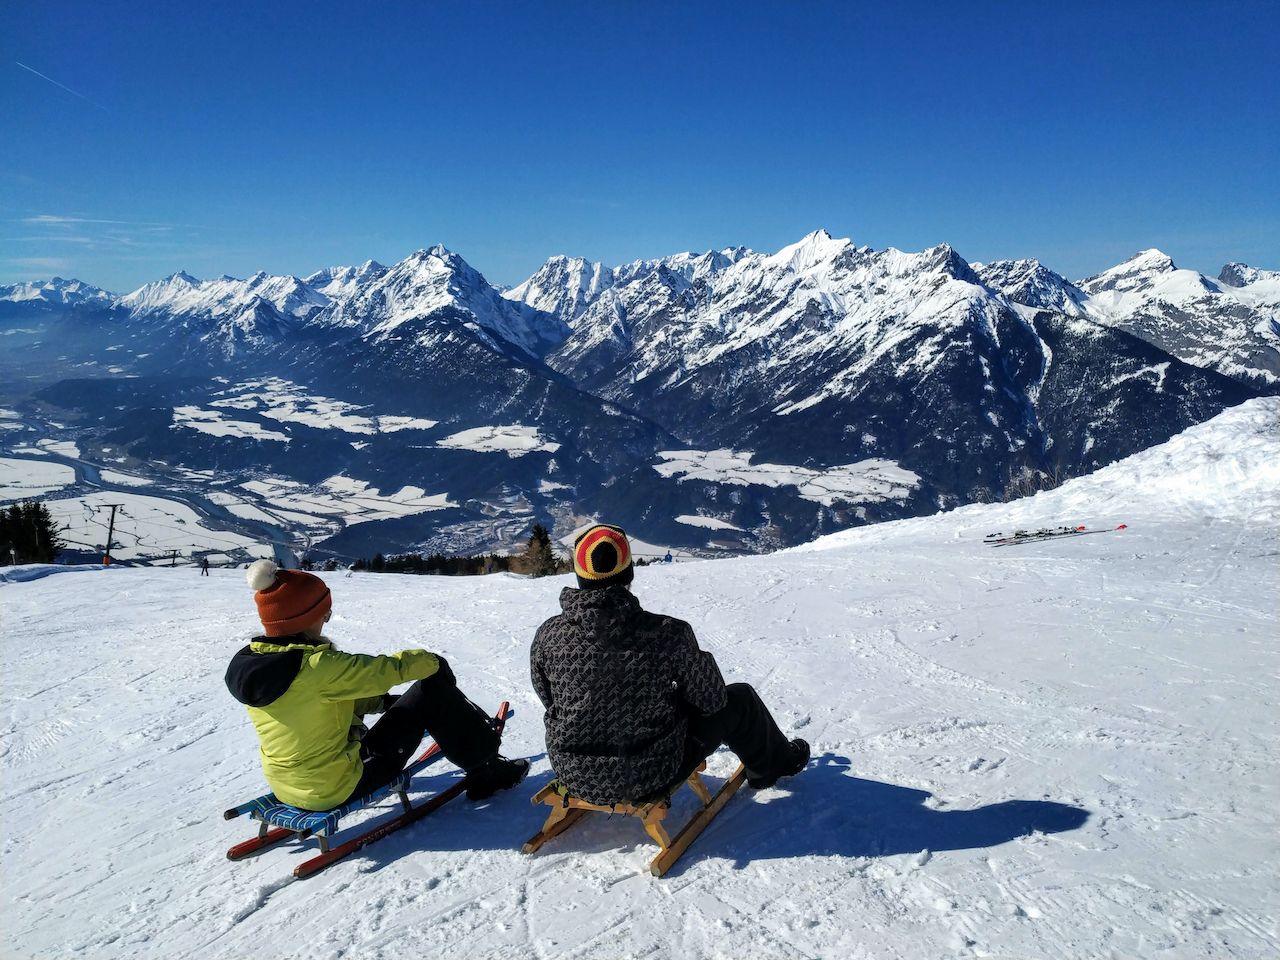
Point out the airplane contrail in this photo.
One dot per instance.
(61, 85)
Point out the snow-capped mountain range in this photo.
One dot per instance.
(730, 399)
(54, 292)
(1228, 323)
(1231, 324)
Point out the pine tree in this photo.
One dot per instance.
(538, 560)
(28, 534)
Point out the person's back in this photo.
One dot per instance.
(619, 683)
(632, 704)
(307, 700)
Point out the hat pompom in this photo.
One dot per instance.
(261, 574)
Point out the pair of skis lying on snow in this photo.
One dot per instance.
(1045, 533)
(280, 821)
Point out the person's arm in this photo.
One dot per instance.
(540, 684)
(367, 705)
(360, 677)
(698, 675)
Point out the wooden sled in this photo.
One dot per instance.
(566, 810)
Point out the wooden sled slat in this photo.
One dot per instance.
(566, 810)
(553, 829)
(689, 832)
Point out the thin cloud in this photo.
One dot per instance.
(41, 263)
(58, 221)
(51, 220)
(63, 238)
(63, 86)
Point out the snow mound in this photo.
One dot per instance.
(29, 572)
(1227, 467)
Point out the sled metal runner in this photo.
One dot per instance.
(281, 821)
(566, 810)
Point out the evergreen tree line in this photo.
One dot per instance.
(28, 534)
(537, 559)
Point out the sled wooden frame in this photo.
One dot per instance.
(566, 810)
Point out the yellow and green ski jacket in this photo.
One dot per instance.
(303, 697)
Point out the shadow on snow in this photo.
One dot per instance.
(823, 812)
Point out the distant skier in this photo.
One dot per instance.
(306, 700)
(667, 558)
(632, 704)
(204, 566)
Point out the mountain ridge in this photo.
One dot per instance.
(770, 397)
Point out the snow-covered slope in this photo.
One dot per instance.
(1056, 750)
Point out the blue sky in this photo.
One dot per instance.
(137, 139)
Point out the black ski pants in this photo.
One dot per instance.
(746, 727)
(432, 706)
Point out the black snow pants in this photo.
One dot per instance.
(432, 706)
(746, 727)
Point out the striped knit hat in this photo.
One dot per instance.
(602, 557)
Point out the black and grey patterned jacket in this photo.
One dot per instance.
(618, 684)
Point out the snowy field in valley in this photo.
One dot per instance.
(286, 401)
(146, 528)
(20, 479)
(868, 480)
(515, 440)
(1064, 749)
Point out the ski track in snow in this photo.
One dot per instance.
(967, 709)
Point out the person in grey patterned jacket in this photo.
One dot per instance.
(632, 704)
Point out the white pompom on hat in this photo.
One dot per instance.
(261, 574)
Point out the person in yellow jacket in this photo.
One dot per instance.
(307, 700)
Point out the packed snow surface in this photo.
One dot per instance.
(1064, 749)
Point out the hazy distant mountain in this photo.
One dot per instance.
(54, 292)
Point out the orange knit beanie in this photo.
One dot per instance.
(288, 600)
